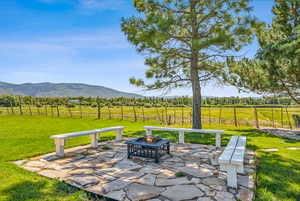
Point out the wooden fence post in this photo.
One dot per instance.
(256, 117)
(80, 108)
(143, 113)
(98, 111)
(174, 111)
(46, 109)
(209, 115)
(20, 106)
(182, 115)
(235, 117)
(220, 114)
(57, 110)
(70, 112)
(288, 117)
(109, 112)
(281, 117)
(273, 119)
(134, 113)
(12, 107)
(29, 105)
(122, 113)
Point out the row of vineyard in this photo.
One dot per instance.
(252, 116)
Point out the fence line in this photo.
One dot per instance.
(254, 116)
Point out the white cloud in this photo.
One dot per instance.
(102, 4)
(92, 4)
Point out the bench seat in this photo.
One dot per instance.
(60, 139)
(232, 159)
(183, 130)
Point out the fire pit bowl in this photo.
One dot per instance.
(148, 146)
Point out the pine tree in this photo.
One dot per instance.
(186, 41)
(276, 67)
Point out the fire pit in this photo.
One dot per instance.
(148, 146)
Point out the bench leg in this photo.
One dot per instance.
(148, 132)
(218, 140)
(94, 140)
(59, 144)
(119, 134)
(232, 177)
(181, 137)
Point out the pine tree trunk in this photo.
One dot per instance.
(196, 122)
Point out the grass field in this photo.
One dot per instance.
(229, 116)
(278, 176)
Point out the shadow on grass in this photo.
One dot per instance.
(278, 178)
(29, 190)
(26, 190)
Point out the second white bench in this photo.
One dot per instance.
(183, 130)
(232, 159)
(60, 139)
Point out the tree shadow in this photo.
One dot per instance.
(278, 176)
(26, 191)
(259, 133)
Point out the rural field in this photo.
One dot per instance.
(278, 116)
(278, 173)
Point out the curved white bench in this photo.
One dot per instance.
(60, 139)
(232, 159)
(183, 130)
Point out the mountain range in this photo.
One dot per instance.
(48, 89)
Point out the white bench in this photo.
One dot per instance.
(183, 130)
(60, 139)
(232, 159)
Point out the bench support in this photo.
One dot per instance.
(218, 140)
(231, 176)
(119, 134)
(181, 137)
(94, 140)
(148, 131)
(59, 144)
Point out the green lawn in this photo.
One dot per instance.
(26, 136)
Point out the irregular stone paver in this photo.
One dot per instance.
(84, 180)
(245, 194)
(148, 179)
(137, 192)
(116, 185)
(204, 199)
(197, 172)
(52, 174)
(127, 164)
(116, 195)
(109, 173)
(172, 182)
(224, 196)
(182, 192)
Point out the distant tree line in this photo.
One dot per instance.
(14, 101)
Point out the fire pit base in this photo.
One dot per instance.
(143, 148)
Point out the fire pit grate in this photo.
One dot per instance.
(148, 147)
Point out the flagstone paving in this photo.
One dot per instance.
(190, 173)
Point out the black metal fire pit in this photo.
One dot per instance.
(148, 146)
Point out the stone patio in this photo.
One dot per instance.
(191, 173)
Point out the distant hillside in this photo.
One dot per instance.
(48, 89)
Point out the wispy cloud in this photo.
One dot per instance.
(102, 4)
(93, 4)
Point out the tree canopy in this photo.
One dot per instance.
(185, 41)
(276, 66)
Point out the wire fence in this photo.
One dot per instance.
(251, 116)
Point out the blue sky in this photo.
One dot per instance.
(81, 41)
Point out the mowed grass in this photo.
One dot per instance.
(278, 176)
